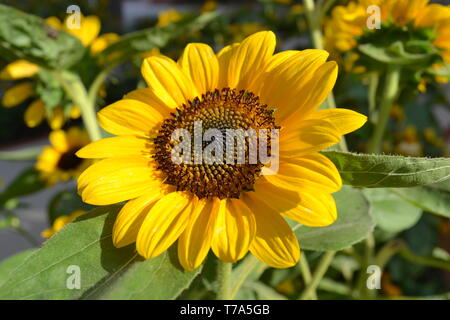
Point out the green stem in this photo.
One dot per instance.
(306, 273)
(390, 93)
(25, 154)
(313, 16)
(318, 274)
(374, 79)
(75, 89)
(224, 270)
(241, 273)
(97, 83)
(366, 261)
(24, 233)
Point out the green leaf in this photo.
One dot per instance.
(429, 198)
(160, 278)
(157, 37)
(383, 171)
(85, 243)
(353, 224)
(395, 54)
(25, 36)
(26, 183)
(104, 269)
(8, 265)
(264, 292)
(65, 203)
(392, 213)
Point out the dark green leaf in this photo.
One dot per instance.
(383, 171)
(25, 36)
(65, 203)
(26, 183)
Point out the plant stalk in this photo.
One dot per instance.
(318, 274)
(224, 270)
(390, 94)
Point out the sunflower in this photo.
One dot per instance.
(231, 209)
(61, 222)
(348, 24)
(58, 162)
(88, 33)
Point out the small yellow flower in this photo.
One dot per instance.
(58, 161)
(17, 94)
(209, 5)
(231, 209)
(61, 222)
(168, 16)
(18, 70)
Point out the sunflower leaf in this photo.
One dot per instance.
(25, 36)
(391, 212)
(383, 171)
(429, 198)
(8, 265)
(83, 250)
(353, 224)
(27, 182)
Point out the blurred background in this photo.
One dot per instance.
(418, 127)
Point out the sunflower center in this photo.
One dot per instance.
(69, 161)
(208, 146)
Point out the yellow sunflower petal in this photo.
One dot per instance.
(88, 31)
(344, 120)
(223, 58)
(54, 22)
(250, 57)
(287, 86)
(117, 179)
(19, 69)
(234, 230)
(56, 120)
(310, 135)
(147, 96)
(103, 41)
(130, 117)
(275, 244)
(77, 137)
(306, 206)
(131, 217)
(195, 242)
(431, 15)
(166, 79)
(308, 171)
(48, 159)
(200, 62)
(17, 94)
(58, 139)
(121, 146)
(35, 113)
(165, 222)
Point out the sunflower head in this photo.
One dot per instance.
(58, 161)
(413, 34)
(201, 197)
